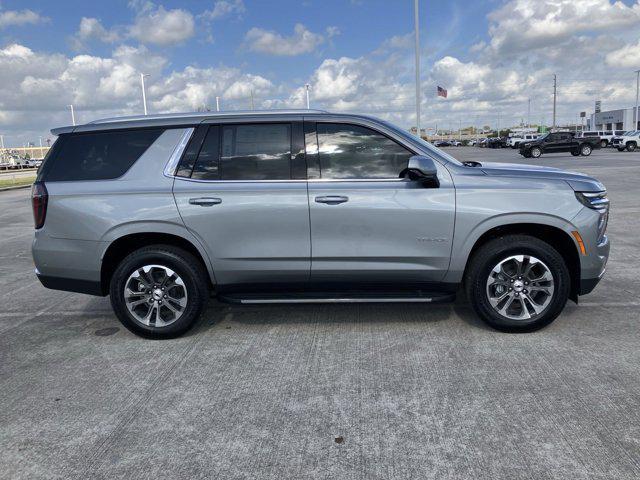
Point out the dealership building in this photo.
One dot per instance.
(621, 119)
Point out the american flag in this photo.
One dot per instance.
(442, 92)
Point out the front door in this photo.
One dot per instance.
(367, 224)
(241, 190)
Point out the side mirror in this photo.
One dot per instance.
(421, 169)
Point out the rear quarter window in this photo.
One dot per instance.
(97, 156)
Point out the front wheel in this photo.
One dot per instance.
(585, 150)
(603, 143)
(536, 152)
(631, 146)
(517, 283)
(159, 291)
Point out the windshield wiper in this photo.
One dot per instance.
(471, 163)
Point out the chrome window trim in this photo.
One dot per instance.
(172, 165)
(319, 180)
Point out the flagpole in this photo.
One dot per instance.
(415, 3)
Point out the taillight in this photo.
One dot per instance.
(39, 199)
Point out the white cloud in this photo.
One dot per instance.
(224, 8)
(20, 18)
(272, 43)
(627, 56)
(92, 29)
(522, 25)
(162, 27)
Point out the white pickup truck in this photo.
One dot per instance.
(628, 141)
(514, 142)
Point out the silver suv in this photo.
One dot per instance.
(159, 212)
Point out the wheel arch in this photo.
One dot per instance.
(122, 246)
(553, 235)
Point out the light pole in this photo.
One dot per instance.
(637, 116)
(217, 104)
(144, 94)
(41, 151)
(306, 89)
(73, 116)
(417, 33)
(529, 113)
(555, 94)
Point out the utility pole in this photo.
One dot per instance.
(417, 33)
(73, 116)
(637, 116)
(555, 94)
(2, 142)
(144, 94)
(217, 104)
(41, 151)
(252, 107)
(529, 113)
(306, 89)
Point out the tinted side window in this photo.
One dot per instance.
(99, 156)
(351, 151)
(207, 165)
(256, 152)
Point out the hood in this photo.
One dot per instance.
(578, 181)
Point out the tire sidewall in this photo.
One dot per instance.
(535, 150)
(631, 147)
(502, 250)
(178, 261)
(586, 148)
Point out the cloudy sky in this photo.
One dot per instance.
(492, 56)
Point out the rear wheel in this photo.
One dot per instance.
(159, 291)
(536, 152)
(603, 143)
(631, 146)
(517, 283)
(585, 150)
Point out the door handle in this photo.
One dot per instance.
(205, 201)
(332, 199)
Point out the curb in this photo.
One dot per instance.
(18, 187)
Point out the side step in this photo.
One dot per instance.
(337, 297)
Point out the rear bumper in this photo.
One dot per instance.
(70, 284)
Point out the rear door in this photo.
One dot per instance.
(367, 224)
(241, 189)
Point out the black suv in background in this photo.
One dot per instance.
(558, 142)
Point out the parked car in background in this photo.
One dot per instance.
(605, 136)
(558, 142)
(515, 141)
(628, 141)
(455, 143)
(442, 143)
(497, 142)
(305, 207)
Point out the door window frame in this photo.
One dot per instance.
(297, 158)
(313, 155)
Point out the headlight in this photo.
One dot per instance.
(597, 201)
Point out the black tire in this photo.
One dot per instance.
(575, 153)
(526, 154)
(536, 152)
(621, 149)
(631, 146)
(603, 143)
(185, 265)
(585, 150)
(492, 253)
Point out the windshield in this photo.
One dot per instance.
(630, 133)
(543, 136)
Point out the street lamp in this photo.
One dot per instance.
(306, 88)
(73, 116)
(144, 94)
(636, 117)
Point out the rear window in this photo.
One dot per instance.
(97, 156)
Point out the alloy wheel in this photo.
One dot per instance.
(520, 287)
(155, 295)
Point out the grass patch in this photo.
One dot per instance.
(14, 182)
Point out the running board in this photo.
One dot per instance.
(407, 297)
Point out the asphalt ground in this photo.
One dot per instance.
(325, 391)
